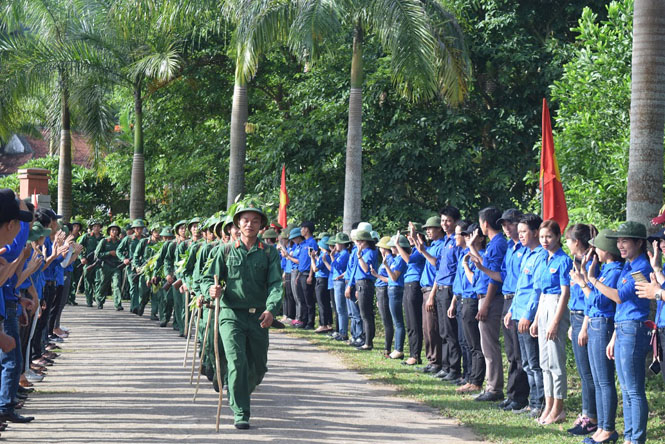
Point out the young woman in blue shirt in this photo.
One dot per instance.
(381, 291)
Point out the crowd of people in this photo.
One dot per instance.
(450, 286)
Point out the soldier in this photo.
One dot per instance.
(125, 253)
(77, 266)
(109, 273)
(162, 270)
(251, 271)
(89, 242)
(172, 261)
(142, 254)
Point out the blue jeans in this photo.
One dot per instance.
(602, 369)
(531, 365)
(630, 350)
(340, 306)
(11, 362)
(583, 368)
(354, 313)
(395, 296)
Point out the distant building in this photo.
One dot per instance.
(20, 149)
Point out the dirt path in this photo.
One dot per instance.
(120, 380)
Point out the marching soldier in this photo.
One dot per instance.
(162, 268)
(125, 253)
(142, 254)
(109, 274)
(89, 242)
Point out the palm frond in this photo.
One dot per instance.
(315, 22)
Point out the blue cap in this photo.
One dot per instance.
(323, 243)
(295, 233)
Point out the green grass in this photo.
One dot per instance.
(483, 418)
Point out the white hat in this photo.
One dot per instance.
(364, 226)
(353, 234)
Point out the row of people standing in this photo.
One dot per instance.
(453, 287)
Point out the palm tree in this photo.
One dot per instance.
(41, 59)
(647, 112)
(428, 60)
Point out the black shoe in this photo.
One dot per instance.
(306, 327)
(241, 425)
(514, 405)
(21, 396)
(163, 324)
(134, 310)
(489, 396)
(441, 374)
(25, 390)
(14, 417)
(460, 382)
(74, 303)
(504, 403)
(452, 376)
(119, 308)
(89, 305)
(154, 318)
(100, 307)
(430, 368)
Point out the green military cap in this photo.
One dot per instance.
(113, 225)
(128, 227)
(38, 231)
(77, 222)
(94, 222)
(195, 220)
(363, 235)
(322, 235)
(605, 242)
(433, 222)
(217, 227)
(402, 242)
(384, 243)
(332, 240)
(226, 225)
(166, 232)
(323, 243)
(252, 208)
(342, 238)
(65, 228)
(138, 223)
(154, 228)
(418, 227)
(630, 229)
(178, 224)
(270, 234)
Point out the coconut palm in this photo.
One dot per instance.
(428, 59)
(43, 63)
(647, 112)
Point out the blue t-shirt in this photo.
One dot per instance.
(321, 269)
(445, 275)
(553, 273)
(13, 251)
(415, 267)
(383, 272)
(598, 305)
(429, 273)
(370, 256)
(577, 301)
(631, 307)
(304, 262)
(351, 266)
(397, 266)
(510, 267)
(525, 301)
(492, 260)
(462, 286)
(288, 268)
(339, 264)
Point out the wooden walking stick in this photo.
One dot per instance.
(217, 360)
(196, 339)
(188, 329)
(203, 352)
(187, 316)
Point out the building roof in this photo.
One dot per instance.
(20, 149)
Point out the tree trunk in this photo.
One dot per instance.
(65, 163)
(647, 112)
(137, 193)
(238, 147)
(354, 137)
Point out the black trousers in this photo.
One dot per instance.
(307, 298)
(323, 299)
(661, 340)
(413, 314)
(464, 346)
(365, 294)
(54, 309)
(384, 311)
(472, 336)
(517, 387)
(451, 353)
(43, 322)
(289, 303)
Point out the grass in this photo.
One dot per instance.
(483, 418)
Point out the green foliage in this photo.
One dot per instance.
(592, 134)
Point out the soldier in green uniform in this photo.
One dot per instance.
(162, 268)
(77, 271)
(90, 265)
(125, 233)
(142, 254)
(252, 274)
(109, 274)
(125, 253)
(181, 244)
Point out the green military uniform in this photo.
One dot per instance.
(124, 276)
(253, 281)
(89, 242)
(126, 250)
(109, 274)
(164, 267)
(142, 254)
(180, 247)
(77, 272)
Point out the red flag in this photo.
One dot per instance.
(553, 199)
(35, 201)
(283, 199)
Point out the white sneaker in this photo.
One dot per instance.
(33, 377)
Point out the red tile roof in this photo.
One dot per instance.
(10, 163)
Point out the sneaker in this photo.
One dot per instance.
(582, 426)
(341, 338)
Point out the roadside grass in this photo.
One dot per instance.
(483, 418)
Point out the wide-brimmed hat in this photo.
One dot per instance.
(323, 243)
(38, 231)
(362, 235)
(113, 225)
(375, 235)
(138, 223)
(605, 242)
(384, 242)
(322, 234)
(433, 222)
(402, 241)
(295, 232)
(342, 238)
(270, 234)
(365, 226)
(630, 229)
(166, 232)
(196, 220)
(255, 209)
(332, 240)
(418, 227)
